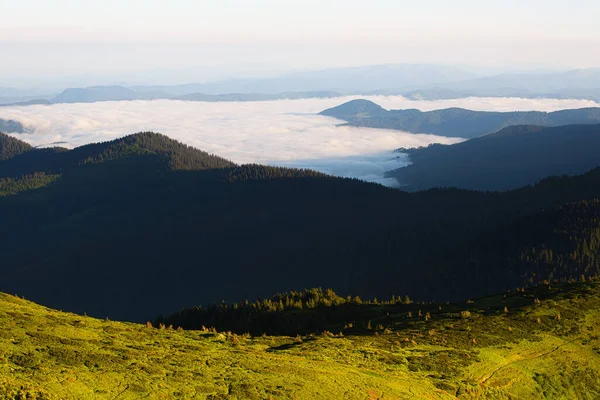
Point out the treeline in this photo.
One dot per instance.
(295, 312)
(555, 246)
(571, 249)
(178, 156)
(256, 172)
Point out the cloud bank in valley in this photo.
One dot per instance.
(282, 132)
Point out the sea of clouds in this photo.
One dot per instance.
(281, 132)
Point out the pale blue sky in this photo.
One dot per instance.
(228, 36)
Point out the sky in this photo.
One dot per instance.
(203, 40)
(282, 132)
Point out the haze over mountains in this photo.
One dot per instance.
(120, 93)
(296, 84)
(580, 83)
(417, 81)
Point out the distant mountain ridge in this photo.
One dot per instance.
(573, 84)
(416, 81)
(120, 93)
(32, 102)
(453, 122)
(534, 81)
(103, 93)
(258, 96)
(513, 157)
(442, 93)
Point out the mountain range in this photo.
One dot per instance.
(523, 148)
(144, 225)
(573, 84)
(453, 122)
(416, 81)
(119, 93)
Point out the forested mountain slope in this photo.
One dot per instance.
(144, 225)
(10, 147)
(511, 158)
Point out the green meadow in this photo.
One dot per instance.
(535, 343)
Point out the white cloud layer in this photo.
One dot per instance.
(283, 132)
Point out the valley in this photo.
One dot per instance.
(160, 225)
(298, 200)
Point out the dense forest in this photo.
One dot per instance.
(513, 157)
(10, 147)
(454, 122)
(10, 186)
(291, 313)
(145, 225)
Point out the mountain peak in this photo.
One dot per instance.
(169, 153)
(359, 108)
(177, 155)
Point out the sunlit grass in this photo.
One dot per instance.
(510, 346)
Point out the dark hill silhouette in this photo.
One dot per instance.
(359, 108)
(454, 122)
(125, 230)
(513, 157)
(172, 154)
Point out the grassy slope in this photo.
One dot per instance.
(489, 354)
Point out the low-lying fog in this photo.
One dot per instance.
(282, 132)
